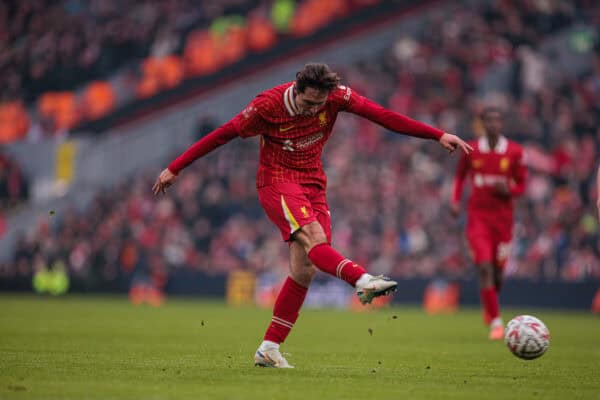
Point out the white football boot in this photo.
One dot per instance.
(368, 287)
(270, 357)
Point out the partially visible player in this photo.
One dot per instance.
(496, 175)
(598, 191)
(294, 121)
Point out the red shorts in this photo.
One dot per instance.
(290, 206)
(489, 239)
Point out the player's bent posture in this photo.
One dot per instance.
(497, 175)
(294, 120)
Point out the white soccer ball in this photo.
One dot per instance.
(527, 337)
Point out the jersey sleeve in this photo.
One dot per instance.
(250, 122)
(246, 124)
(348, 100)
(462, 168)
(519, 174)
(205, 145)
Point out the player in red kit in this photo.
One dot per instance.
(497, 175)
(294, 121)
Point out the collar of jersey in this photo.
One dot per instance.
(501, 146)
(289, 99)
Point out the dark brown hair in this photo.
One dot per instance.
(317, 76)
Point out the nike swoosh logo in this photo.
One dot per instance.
(282, 129)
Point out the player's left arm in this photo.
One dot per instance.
(399, 123)
(519, 175)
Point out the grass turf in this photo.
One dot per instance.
(105, 348)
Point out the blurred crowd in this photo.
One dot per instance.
(388, 194)
(54, 47)
(59, 45)
(66, 62)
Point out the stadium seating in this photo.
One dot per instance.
(399, 225)
(56, 50)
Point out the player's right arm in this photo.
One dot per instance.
(245, 124)
(462, 168)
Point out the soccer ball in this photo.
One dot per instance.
(527, 337)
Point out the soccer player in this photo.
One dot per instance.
(294, 120)
(496, 175)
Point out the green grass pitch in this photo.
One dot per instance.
(106, 348)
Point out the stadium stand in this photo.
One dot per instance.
(212, 222)
(58, 55)
(506, 54)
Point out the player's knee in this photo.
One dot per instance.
(317, 235)
(486, 272)
(318, 238)
(311, 235)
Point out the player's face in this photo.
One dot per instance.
(492, 123)
(311, 100)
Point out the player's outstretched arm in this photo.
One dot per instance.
(203, 146)
(452, 142)
(164, 180)
(402, 124)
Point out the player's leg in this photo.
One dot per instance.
(498, 278)
(500, 258)
(313, 239)
(367, 286)
(288, 206)
(482, 251)
(501, 251)
(286, 309)
(489, 299)
(486, 275)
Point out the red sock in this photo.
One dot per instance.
(286, 310)
(328, 260)
(489, 300)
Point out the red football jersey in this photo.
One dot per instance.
(485, 168)
(291, 143)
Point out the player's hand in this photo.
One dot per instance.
(501, 188)
(455, 209)
(164, 180)
(452, 142)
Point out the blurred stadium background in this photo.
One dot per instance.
(96, 96)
